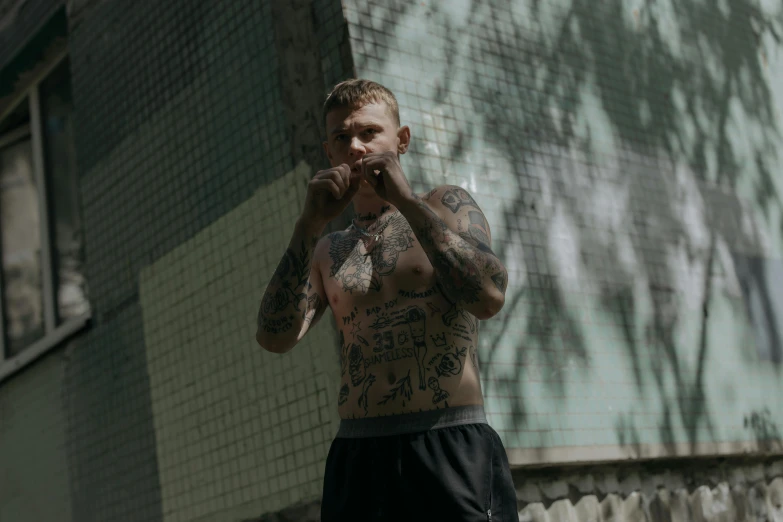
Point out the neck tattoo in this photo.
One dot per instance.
(366, 217)
(372, 237)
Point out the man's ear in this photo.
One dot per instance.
(403, 139)
(328, 153)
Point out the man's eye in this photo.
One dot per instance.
(371, 131)
(342, 137)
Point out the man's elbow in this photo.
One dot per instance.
(491, 305)
(270, 345)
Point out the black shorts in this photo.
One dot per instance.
(443, 465)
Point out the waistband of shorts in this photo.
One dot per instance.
(411, 422)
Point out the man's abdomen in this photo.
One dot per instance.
(418, 356)
(394, 389)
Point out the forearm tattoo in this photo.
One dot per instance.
(464, 263)
(290, 299)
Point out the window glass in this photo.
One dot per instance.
(62, 182)
(21, 247)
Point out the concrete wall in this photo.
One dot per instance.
(35, 483)
(627, 157)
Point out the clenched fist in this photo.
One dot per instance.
(329, 193)
(383, 171)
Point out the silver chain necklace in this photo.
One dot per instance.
(374, 236)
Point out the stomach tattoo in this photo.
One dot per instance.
(429, 352)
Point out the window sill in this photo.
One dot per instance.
(49, 342)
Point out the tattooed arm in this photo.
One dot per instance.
(455, 235)
(294, 299)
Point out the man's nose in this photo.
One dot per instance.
(357, 147)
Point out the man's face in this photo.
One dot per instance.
(354, 132)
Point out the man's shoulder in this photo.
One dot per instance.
(436, 193)
(448, 196)
(331, 241)
(337, 235)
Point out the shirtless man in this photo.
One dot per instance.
(407, 283)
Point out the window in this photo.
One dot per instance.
(43, 291)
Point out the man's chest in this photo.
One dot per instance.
(364, 271)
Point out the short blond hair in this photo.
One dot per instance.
(357, 93)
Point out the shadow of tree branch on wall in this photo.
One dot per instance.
(624, 136)
(765, 430)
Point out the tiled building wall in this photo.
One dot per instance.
(239, 431)
(627, 155)
(197, 127)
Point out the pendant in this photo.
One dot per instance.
(371, 242)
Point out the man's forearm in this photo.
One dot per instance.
(470, 276)
(288, 304)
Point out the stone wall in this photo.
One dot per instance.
(704, 490)
(693, 491)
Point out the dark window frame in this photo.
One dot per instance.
(54, 333)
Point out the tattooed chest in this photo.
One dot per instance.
(361, 267)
